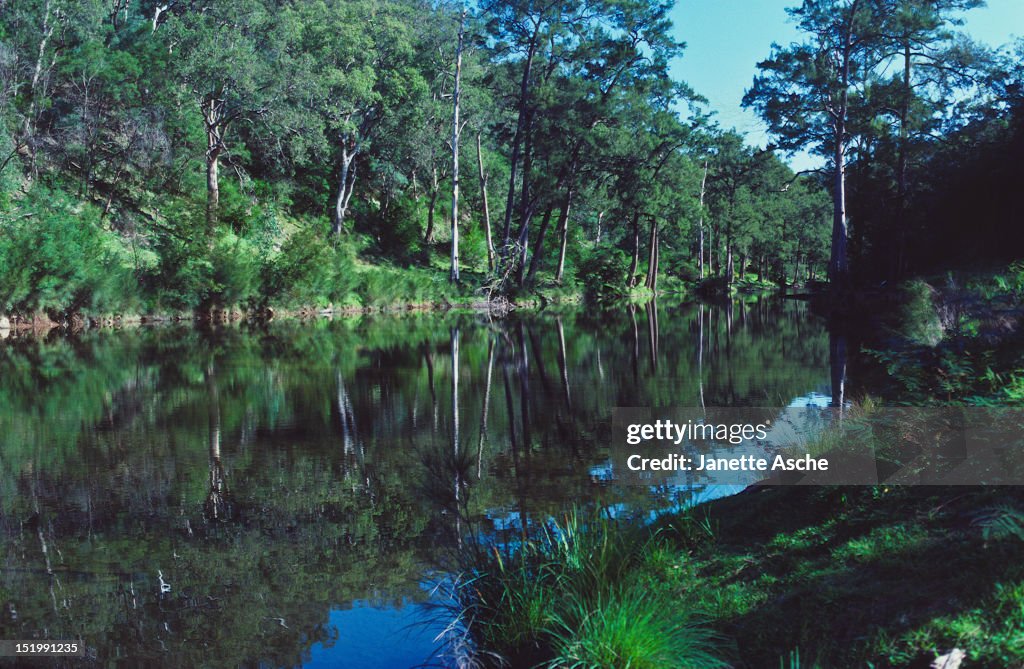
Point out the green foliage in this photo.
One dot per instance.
(919, 319)
(573, 597)
(603, 273)
(56, 257)
(1003, 522)
(397, 231)
(792, 661)
(632, 628)
(139, 108)
(384, 286)
(236, 264)
(306, 270)
(197, 274)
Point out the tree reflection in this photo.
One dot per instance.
(125, 452)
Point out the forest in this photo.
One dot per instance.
(558, 226)
(182, 156)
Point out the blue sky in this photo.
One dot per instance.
(726, 39)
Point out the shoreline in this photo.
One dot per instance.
(81, 322)
(533, 301)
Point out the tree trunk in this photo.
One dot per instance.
(631, 278)
(212, 187)
(454, 275)
(538, 245)
(652, 257)
(428, 236)
(563, 226)
(37, 77)
(158, 11)
(796, 266)
(700, 225)
(346, 184)
(838, 267)
(728, 262)
(901, 168)
(487, 211)
(524, 93)
(526, 205)
(711, 251)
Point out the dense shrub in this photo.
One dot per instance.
(200, 274)
(236, 268)
(397, 232)
(308, 271)
(56, 257)
(603, 273)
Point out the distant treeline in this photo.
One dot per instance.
(190, 154)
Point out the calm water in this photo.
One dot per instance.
(284, 496)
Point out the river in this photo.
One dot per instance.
(286, 495)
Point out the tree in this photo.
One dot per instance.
(229, 59)
(931, 70)
(456, 132)
(808, 93)
(522, 27)
(360, 60)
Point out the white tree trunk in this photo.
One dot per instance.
(700, 241)
(346, 184)
(456, 131)
(487, 210)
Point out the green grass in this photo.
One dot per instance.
(863, 576)
(631, 627)
(577, 595)
(779, 577)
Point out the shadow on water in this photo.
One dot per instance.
(282, 496)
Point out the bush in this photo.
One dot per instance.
(201, 274)
(397, 233)
(308, 270)
(236, 267)
(919, 319)
(603, 274)
(299, 273)
(55, 257)
(384, 286)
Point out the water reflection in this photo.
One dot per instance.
(257, 495)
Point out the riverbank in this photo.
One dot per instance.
(915, 573)
(494, 306)
(802, 576)
(772, 577)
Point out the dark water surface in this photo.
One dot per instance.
(286, 495)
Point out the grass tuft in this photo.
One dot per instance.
(575, 595)
(631, 628)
